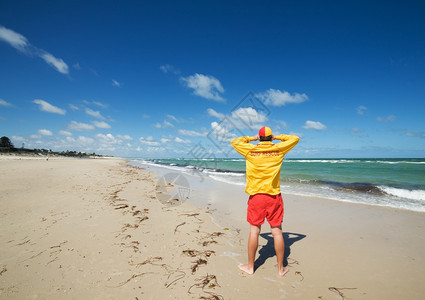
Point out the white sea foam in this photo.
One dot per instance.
(332, 161)
(224, 173)
(402, 193)
(346, 161)
(226, 180)
(399, 162)
(149, 163)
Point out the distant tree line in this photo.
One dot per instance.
(6, 146)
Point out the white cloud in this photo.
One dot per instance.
(215, 114)
(4, 103)
(191, 132)
(35, 136)
(45, 132)
(148, 141)
(97, 103)
(388, 119)
(80, 126)
(165, 124)
(17, 139)
(155, 150)
(175, 119)
(221, 132)
(205, 86)
(242, 118)
(165, 140)
(66, 133)
(314, 125)
(249, 116)
(115, 83)
(106, 138)
(13, 38)
(95, 114)
(85, 141)
(169, 69)
(73, 107)
(416, 134)
(57, 63)
(282, 124)
(81, 143)
(21, 43)
(125, 137)
(101, 124)
(99, 143)
(181, 141)
(278, 98)
(47, 107)
(361, 109)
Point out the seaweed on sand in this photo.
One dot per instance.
(141, 219)
(180, 276)
(121, 206)
(210, 236)
(153, 261)
(150, 260)
(195, 215)
(131, 278)
(202, 258)
(197, 263)
(338, 291)
(181, 224)
(299, 273)
(208, 281)
(194, 253)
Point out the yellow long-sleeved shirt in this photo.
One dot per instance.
(263, 162)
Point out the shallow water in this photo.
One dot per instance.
(396, 183)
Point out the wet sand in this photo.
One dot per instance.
(95, 229)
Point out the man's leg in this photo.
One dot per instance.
(279, 247)
(254, 233)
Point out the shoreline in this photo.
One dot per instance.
(359, 189)
(95, 229)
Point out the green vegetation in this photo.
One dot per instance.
(6, 146)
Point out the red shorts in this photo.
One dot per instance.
(261, 206)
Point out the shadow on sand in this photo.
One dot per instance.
(267, 250)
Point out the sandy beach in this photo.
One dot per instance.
(96, 229)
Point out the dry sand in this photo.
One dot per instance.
(95, 229)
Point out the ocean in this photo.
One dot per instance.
(395, 183)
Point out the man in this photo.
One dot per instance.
(263, 164)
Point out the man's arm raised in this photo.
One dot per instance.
(287, 142)
(241, 144)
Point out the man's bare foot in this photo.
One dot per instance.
(283, 271)
(246, 269)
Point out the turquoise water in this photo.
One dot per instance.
(398, 183)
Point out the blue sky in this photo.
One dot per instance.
(179, 79)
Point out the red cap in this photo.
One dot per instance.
(265, 131)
